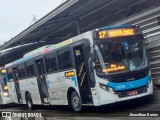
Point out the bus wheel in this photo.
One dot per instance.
(76, 103)
(29, 102)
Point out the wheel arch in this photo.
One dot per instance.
(26, 94)
(29, 98)
(70, 90)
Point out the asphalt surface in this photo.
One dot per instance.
(122, 110)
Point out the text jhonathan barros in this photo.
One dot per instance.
(144, 114)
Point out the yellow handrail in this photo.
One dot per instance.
(83, 79)
(81, 69)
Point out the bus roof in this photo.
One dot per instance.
(46, 49)
(117, 26)
(35, 51)
(39, 51)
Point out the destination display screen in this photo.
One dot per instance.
(114, 68)
(112, 33)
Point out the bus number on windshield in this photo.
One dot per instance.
(102, 34)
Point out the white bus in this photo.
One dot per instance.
(4, 96)
(95, 68)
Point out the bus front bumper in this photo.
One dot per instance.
(107, 97)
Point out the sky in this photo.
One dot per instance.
(17, 15)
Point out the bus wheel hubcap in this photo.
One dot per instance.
(76, 101)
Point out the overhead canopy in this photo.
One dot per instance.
(71, 18)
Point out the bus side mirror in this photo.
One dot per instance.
(96, 66)
(95, 61)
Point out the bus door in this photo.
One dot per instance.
(16, 82)
(43, 89)
(82, 74)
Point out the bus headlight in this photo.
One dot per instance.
(149, 82)
(104, 87)
(110, 89)
(5, 94)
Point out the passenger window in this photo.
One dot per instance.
(51, 63)
(65, 59)
(9, 73)
(21, 71)
(30, 69)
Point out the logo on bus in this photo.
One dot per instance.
(131, 85)
(120, 87)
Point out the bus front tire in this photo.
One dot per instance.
(29, 102)
(76, 103)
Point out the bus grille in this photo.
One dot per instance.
(125, 93)
(128, 76)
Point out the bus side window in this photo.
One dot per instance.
(51, 62)
(30, 69)
(79, 58)
(21, 71)
(64, 58)
(9, 72)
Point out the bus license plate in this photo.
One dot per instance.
(135, 92)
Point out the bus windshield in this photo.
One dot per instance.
(121, 54)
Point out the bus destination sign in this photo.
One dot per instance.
(116, 33)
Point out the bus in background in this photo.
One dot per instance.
(4, 95)
(99, 67)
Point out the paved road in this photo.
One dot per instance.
(113, 111)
